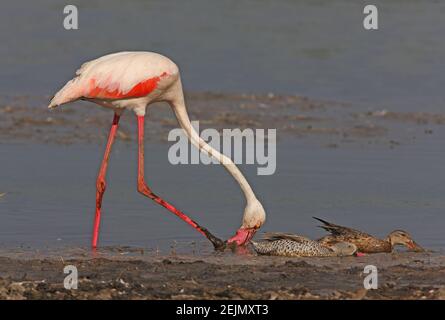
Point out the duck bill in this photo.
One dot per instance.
(414, 246)
(242, 236)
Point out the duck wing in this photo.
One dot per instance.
(365, 243)
(274, 236)
(340, 231)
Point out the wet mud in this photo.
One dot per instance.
(135, 273)
(25, 118)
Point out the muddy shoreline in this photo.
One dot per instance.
(26, 118)
(133, 274)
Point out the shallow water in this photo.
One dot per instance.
(50, 200)
(316, 48)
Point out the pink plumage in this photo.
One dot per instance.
(122, 75)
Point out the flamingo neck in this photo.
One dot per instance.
(178, 105)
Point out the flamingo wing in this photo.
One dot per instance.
(121, 75)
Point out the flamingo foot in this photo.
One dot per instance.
(218, 244)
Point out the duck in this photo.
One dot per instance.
(367, 243)
(291, 245)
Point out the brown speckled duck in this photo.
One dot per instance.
(290, 245)
(366, 243)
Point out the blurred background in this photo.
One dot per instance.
(311, 47)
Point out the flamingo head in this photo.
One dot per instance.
(254, 217)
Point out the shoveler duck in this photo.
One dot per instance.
(367, 243)
(291, 245)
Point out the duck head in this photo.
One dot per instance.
(403, 238)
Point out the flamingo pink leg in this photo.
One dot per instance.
(100, 183)
(146, 191)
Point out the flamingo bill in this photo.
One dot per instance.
(242, 236)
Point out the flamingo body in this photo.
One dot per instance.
(119, 80)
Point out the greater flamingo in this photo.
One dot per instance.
(134, 80)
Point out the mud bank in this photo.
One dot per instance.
(25, 118)
(125, 274)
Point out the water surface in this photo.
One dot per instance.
(316, 48)
(50, 199)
